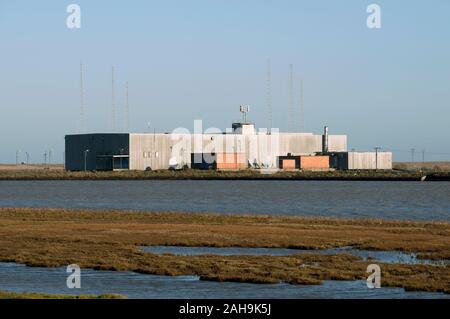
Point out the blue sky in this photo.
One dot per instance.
(201, 59)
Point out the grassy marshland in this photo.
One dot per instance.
(109, 240)
(25, 295)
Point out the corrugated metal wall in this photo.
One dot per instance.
(155, 150)
(369, 160)
(97, 144)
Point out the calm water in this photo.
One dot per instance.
(397, 200)
(14, 277)
(381, 256)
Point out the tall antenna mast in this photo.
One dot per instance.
(302, 108)
(127, 109)
(113, 102)
(82, 124)
(269, 97)
(291, 97)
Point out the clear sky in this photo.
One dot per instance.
(201, 59)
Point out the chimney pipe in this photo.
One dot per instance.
(325, 140)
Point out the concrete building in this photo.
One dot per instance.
(145, 151)
(240, 148)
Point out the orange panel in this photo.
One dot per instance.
(241, 159)
(231, 161)
(231, 158)
(220, 158)
(289, 164)
(314, 162)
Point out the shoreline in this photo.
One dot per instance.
(394, 175)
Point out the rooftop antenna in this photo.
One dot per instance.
(269, 96)
(127, 109)
(82, 124)
(291, 97)
(302, 108)
(244, 109)
(113, 102)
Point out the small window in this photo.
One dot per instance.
(156, 154)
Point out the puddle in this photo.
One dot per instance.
(19, 278)
(381, 256)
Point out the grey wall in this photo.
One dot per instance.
(369, 160)
(155, 150)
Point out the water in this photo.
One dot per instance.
(396, 257)
(350, 199)
(390, 200)
(18, 278)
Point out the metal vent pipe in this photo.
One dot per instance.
(325, 140)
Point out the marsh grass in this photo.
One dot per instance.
(26, 295)
(110, 240)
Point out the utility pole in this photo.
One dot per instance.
(413, 150)
(377, 148)
(423, 156)
(28, 157)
